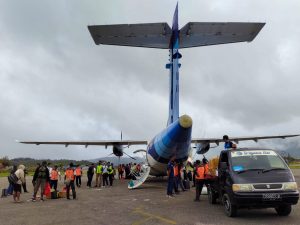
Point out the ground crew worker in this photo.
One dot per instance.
(69, 181)
(199, 179)
(54, 178)
(207, 174)
(227, 143)
(105, 174)
(78, 173)
(170, 172)
(110, 171)
(99, 169)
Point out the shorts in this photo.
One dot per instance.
(17, 187)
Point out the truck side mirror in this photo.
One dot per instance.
(223, 166)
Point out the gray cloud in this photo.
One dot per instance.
(56, 84)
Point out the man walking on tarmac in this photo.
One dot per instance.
(199, 179)
(99, 170)
(69, 181)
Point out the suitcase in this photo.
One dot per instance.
(54, 195)
(186, 184)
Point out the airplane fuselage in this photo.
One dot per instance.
(175, 140)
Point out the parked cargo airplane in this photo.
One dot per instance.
(175, 140)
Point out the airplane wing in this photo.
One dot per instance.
(238, 139)
(86, 143)
(195, 34)
(149, 35)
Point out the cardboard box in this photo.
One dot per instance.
(62, 194)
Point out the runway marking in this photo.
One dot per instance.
(149, 216)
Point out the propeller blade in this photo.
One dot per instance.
(110, 154)
(129, 156)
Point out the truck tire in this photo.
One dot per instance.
(284, 210)
(212, 198)
(230, 209)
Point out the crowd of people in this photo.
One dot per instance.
(46, 175)
(180, 176)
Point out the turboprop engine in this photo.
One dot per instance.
(202, 148)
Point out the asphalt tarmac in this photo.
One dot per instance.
(118, 205)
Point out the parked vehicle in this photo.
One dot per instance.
(253, 178)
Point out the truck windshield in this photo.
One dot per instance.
(251, 160)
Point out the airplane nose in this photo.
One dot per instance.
(185, 121)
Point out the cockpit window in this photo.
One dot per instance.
(256, 159)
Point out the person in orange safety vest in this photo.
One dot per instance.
(69, 181)
(207, 174)
(54, 178)
(78, 173)
(199, 179)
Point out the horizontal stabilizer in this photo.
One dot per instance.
(195, 34)
(149, 35)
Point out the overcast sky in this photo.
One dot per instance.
(56, 84)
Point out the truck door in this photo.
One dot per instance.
(223, 173)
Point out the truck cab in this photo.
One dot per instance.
(253, 178)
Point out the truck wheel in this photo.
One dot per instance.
(284, 210)
(211, 196)
(230, 209)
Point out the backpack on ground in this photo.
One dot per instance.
(12, 178)
(186, 184)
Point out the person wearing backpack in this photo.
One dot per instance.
(17, 185)
(40, 177)
(10, 188)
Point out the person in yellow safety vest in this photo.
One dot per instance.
(54, 178)
(78, 173)
(99, 170)
(199, 179)
(69, 181)
(110, 171)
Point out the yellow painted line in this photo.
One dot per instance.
(139, 222)
(151, 216)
